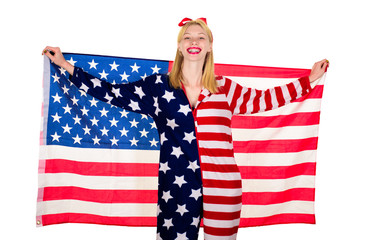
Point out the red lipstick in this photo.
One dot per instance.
(194, 50)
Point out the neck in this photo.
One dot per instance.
(192, 73)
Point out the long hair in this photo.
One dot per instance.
(208, 76)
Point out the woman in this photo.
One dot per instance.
(192, 108)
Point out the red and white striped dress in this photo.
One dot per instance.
(221, 178)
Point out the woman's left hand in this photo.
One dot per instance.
(319, 68)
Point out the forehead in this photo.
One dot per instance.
(195, 29)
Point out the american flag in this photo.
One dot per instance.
(99, 163)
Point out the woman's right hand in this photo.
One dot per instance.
(55, 55)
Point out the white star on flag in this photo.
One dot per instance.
(196, 193)
(189, 137)
(179, 181)
(181, 209)
(164, 167)
(166, 196)
(185, 109)
(176, 151)
(168, 96)
(134, 67)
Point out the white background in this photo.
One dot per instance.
(352, 199)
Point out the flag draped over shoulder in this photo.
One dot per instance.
(99, 163)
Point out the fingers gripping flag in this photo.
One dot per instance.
(99, 163)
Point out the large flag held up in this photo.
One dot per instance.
(99, 163)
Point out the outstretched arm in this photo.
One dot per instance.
(244, 100)
(135, 96)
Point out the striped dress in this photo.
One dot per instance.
(198, 176)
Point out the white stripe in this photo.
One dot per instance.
(97, 182)
(249, 105)
(240, 100)
(221, 207)
(261, 83)
(309, 105)
(221, 82)
(273, 159)
(215, 144)
(225, 192)
(293, 132)
(212, 237)
(221, 175)
(46, 96)
(230, 94)
(42, 124)
(214, 129)
(221, 223)
(274, 100)
(267, 83)
(257, 211)
(277, 185)
(298, 88)
(218, 160)
(99, 155)
(103, 209)
(262, 103)
(212, 112)
(217, 98)
(286, 94)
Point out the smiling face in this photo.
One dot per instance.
(195, 44)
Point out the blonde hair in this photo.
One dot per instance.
(208, 76)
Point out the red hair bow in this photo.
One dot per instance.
(186, 20)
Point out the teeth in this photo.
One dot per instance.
(194, 50)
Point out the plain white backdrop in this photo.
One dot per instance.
(352, 199)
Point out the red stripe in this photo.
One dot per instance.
(210, 136)
(102, 169)
(316, 93)
(100, 196)
(226, 168)
(236, 95)
(222, 183)
(305, 83)
(255, 71)
(214, 105)
(245, 99)
(256, 101)
(278, 219)
(96, 219)
(268, 100)
(266, 198)
(221, 215)
(279, 96)
(259, 71)
(220, 231)
(278, 172)
(216, 152)
(292, 91)
(275, 146)
(221, 200)
(214, 120)
(295, 119)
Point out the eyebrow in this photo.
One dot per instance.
(198, 33)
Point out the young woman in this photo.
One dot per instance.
(192, 108)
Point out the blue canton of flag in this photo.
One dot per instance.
(79, 120)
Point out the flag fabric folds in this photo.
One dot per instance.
(99, 163)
